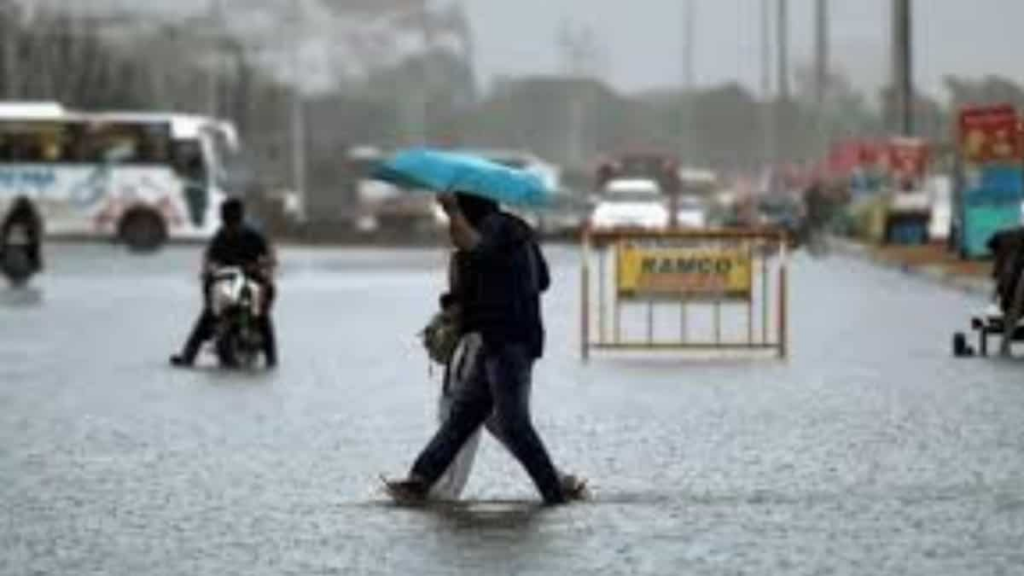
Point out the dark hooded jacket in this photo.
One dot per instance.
(500, 283)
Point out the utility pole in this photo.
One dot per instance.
(766, 51)
(821, 52)
(783, 44)
(821, 72)
(298, 115)
(686, 142)
(768, 116)
(779, 128)
(902, 66)
(213, 80)
(688, 45)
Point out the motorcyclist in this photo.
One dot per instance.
(235, 245)
(23, 215)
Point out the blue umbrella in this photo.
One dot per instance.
(444, 172)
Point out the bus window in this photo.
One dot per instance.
(125, 143)
(34, 142)
(156, 144)
(102, 144)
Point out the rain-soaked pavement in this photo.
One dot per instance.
(871, 452)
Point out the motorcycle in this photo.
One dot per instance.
(237, 303)
(16, 256)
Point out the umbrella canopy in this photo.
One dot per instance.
(445, 172)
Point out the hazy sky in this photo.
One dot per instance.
(642, 39)
(643, 46)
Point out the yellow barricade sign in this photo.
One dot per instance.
(682, 273)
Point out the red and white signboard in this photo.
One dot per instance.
(990, 134)
(908, 157)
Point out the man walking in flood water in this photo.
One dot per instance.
(507, 275)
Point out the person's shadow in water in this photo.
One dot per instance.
(498, 516)
(217, 375)
(21, 298)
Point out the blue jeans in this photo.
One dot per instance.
(502, 388)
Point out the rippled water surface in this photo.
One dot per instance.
(872, 451)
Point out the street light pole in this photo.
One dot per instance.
(780, 130)
(821, 52)
(212, 80)
(686, 142)
(768, 116)
(298, 116)
(688, 45)
(821, 71)
(902, 66)
(783, 41)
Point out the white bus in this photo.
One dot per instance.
(139, 178)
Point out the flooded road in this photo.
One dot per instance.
(872, 451)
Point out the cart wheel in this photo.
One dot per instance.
(960, 347)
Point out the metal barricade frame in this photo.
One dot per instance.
(760, 246)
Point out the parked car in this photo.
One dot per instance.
(631, 203)
(691, 212)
